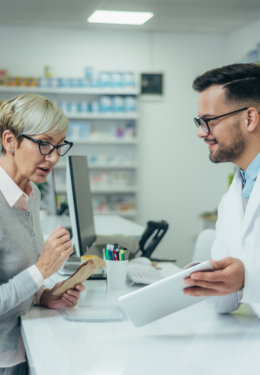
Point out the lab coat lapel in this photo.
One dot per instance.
(252, 205)
(234, 204)
(231, 215)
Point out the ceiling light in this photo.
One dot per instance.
(119, 17)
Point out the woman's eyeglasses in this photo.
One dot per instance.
(46, 148)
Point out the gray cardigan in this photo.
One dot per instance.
(21, 243)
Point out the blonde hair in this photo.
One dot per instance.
(31, 114)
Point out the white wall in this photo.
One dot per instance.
(177, 181)
(27, 50)
(243, 40)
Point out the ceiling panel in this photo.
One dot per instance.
(219, 16)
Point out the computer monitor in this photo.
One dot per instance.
(48, 201)
(80, 203)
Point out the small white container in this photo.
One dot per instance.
(116, 274)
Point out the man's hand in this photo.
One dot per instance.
(67, 299)
(227, 277)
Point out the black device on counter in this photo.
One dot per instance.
(150, 239)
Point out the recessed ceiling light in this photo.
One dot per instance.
(119, 17)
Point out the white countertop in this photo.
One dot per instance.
(193, 341)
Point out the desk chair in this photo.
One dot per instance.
(202, 250)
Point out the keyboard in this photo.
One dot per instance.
(142, 273)
(70, 267)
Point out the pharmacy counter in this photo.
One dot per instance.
(193, 341)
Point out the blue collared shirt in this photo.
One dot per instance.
(249, 176)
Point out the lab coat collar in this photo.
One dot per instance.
(252, 204)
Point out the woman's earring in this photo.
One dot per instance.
(12, 152)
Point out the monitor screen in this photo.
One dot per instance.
(80, 203)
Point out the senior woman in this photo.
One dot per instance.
(32, 135)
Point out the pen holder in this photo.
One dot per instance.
(116, 274)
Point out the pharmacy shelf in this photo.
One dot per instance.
(106, 147)
(103, 116)
(114, 190)
(104, 190)
(130, 213)
(71, 90)
(112, 167)
(103, 166)
(106, 142)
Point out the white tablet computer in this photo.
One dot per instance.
(161, 298)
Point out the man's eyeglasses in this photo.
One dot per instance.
(204, 123)
(47, 148)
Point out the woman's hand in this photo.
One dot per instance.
(55, 252)
(67, 299)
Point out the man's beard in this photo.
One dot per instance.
(231, 152)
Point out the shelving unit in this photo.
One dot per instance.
(101, 167)
(103, 116)
(69, 90)
(104, 190)
(106, 142)
(108, 138)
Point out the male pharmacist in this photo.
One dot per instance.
(229, 123)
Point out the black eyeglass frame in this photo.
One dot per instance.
(199, 121)
(41, 143)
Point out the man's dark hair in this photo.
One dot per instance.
(241, 81)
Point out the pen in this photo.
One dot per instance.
(122, 254)
(115, 255)
(114, 252)
(107, 254)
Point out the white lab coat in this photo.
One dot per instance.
(238, 236)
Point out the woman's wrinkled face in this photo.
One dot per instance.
(30, 164)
